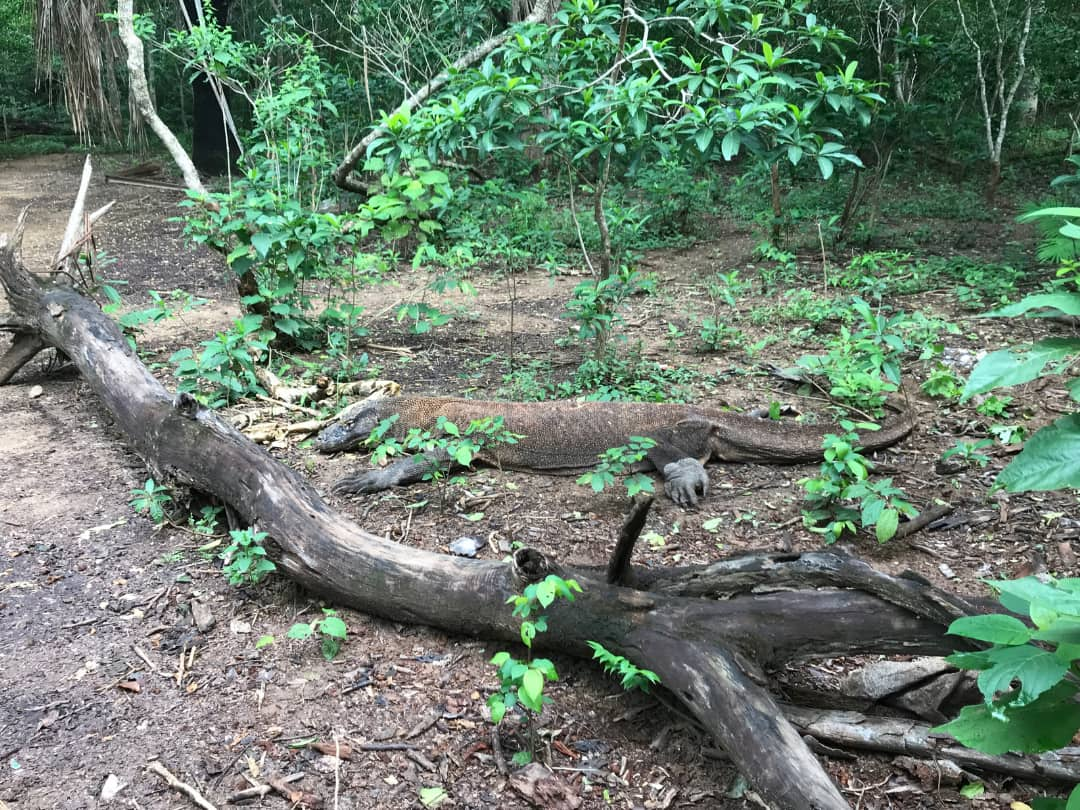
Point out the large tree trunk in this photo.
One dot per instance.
(709, 632)
(213, 149)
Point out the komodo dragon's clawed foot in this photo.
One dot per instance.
(360, 483)
(685, 481)
(402, 472)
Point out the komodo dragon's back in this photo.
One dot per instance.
(556, 436)
(567, 436)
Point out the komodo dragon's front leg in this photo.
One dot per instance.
(401, 473)
(679, 455)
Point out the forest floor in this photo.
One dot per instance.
(95, 602)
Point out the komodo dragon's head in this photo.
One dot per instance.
(352, 426)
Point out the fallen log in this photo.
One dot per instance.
(898, 736)
(710, 652)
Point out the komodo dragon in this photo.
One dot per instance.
(565, 437)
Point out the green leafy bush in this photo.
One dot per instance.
(331, 628)
(245, 558)
(521, 683)
(862, 367)
(225, 370)
(841, 497)
(1027, 676)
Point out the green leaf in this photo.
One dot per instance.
(545, 592)
(1029, 590)
(994, 628)
(1063, 630)
(532, 686)
(729, 147)
(1049, 212)
(264, 641)
(1044, 725)
(703, 137)
(1050, 459)
(1064, 302)
(975, 660)
(826, 167)
(334, 627)
(1035, 668)
(300, 630)
(973, 790)
(1018, 364)
(498, 708)
(434, 796)
(262, 243)
(433, 177)
(887, 524)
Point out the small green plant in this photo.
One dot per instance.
(782, 268)
(881, 272)
(226, 366)
(164, 306)
(717, 336)
(616, 461)
(1029, 675)
(594, 307)
(207, 522)
(630, 676)
(862, 367)
(674, 335)
(521, 683)
(153, 500)
(994, 405)
(802, 304)
(979, 284)
(969, 452)
(422, 317)
(841, 497)
(942, 383)
(727, 288)
(331, 628)
(245, 558)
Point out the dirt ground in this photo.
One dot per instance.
(96, 603)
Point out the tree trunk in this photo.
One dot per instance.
(777, 204)
(213, 149)
(993, 182)
(710, 632)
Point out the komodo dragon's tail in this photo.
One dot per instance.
(747, 438)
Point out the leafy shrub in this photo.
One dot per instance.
(226, 364)
(842, 496)
(330, 627)
(245, 558)
(862, 367)
(1027, 676)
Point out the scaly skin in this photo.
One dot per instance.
(565, 438)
